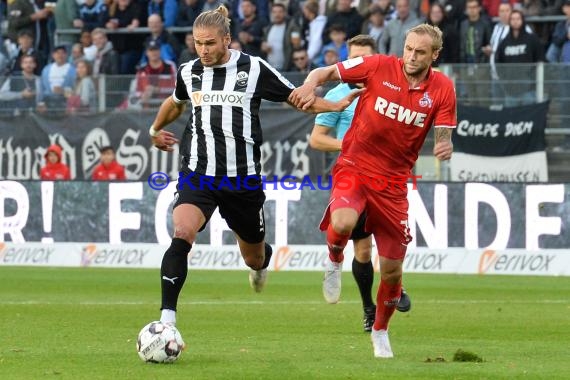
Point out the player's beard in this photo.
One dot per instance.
(414, 71)
(214, 59)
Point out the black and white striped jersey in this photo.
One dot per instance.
(223, 135)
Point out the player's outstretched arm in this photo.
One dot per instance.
(443, 147)
(303, 97)
(320, 105)
(168, 112)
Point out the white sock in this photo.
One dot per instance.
(168, 316)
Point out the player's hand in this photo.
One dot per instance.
(164, 141)
(442, 150)
(303, 97)
(348, 99)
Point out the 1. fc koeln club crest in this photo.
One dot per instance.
(426, 101)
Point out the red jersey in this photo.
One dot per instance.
(111, 172)
(391, 120)
(55, 172)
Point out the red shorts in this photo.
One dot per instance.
(387, 212)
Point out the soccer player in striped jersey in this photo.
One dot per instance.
(220, 146)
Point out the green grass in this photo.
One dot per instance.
(82, 323)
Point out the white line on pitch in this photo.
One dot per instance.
(229, 302)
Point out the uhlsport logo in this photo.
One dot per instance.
(88, 253)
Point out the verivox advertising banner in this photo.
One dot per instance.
(553, 262)
(23, 143)
(441, 215)
(506, 145)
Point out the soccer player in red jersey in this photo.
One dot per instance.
(403, 99)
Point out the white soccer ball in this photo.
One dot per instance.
(159, 343)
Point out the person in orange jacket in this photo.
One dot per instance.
(55, 169)
(108, 169)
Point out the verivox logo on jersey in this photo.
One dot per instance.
(218, 98)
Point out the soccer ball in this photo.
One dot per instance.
(159, 343)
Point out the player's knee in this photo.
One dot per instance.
(363, 254)
(343, 226)
(391, 275)
(185, 234)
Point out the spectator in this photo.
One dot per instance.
(27, 15)
(392, 42)
(23, 92)
(169, 47)
(388, 9)
(474, 48)
(125, 14)
(313, 33)
(559, 50)
(65, 13)
(86, 41)
(301, 61)
(475, 35)
(330, 56)
(26, 47)
(106, 59)
(250, 30)
(450, 51)
(519, 47)
(455, 10)
(154, 81)
(280, 37)
(166, 9)
(76, 54)
(108, 169)
(347, 17)
(54, 170)
(188, 10)
(374, 24)
(237, 13)
(92, 14)
(83, 96)
(337, 36)
(189, 53)
(57, 78)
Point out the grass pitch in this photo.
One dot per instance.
(82, 323)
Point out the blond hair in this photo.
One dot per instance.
(217, 18)
(433, 31)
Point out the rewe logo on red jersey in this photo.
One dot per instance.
(397, 112)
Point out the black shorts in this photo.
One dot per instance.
(241, 207)
(358, 232)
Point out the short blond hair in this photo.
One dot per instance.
(433, 31)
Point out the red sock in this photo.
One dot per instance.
(386, 301)
(336, 243)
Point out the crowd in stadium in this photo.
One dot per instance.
(48, 70)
